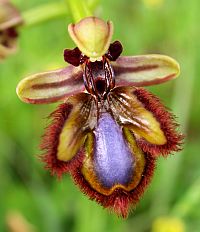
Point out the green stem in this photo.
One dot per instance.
(44, 13)
(169, 169)
(93, 4)
(79, 9)
(188, 202)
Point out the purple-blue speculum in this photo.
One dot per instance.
(109, 130)
(113, 161)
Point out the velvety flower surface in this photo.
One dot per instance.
(10, 18)
(109, 131)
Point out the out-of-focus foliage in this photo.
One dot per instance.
(42, 203)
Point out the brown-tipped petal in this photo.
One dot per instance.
(9, 15)
(76, 127)
(92, 36)
(145, 70)
(167, 122)
(51, 86)
(143, 114)
(66, 134)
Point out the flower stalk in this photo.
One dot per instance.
(79, 9)
(188, 201)
(44, 13)
(182, 111)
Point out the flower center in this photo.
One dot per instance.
(98, 78)
(98, 74)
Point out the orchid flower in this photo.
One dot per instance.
(109, 131)
(10, 18)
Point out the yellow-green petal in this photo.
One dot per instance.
(76, 127)
(131, 113)
(92, 36)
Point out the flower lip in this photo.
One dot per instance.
(114, 162)
(92, 36)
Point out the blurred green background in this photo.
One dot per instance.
(29, 196)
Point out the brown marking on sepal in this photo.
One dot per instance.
(121, 70)
(48, 100)
(75, 79)
(120, 201)
(144, 70)
(156, 81)
(167, 122)
(51, 86)
(50, 142)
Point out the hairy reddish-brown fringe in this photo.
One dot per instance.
(167, 122)
(120, 201)
(50, 143)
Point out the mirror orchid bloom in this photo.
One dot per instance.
(10, 19)
(109, 130)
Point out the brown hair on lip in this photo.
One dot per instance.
(120, 201)
(167, 124)
(50, 142)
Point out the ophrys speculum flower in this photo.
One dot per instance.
(109, 136)
(10, 19)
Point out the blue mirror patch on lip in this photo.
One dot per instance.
(113, 160)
